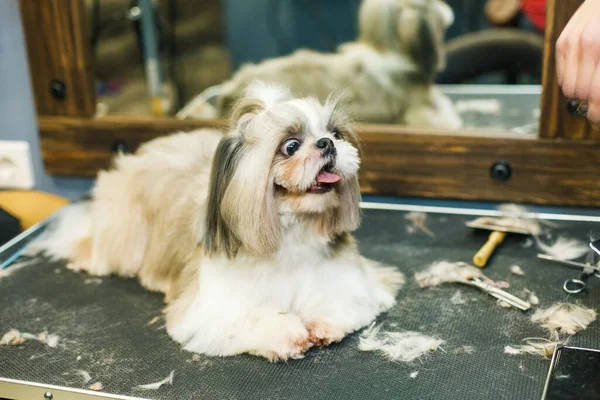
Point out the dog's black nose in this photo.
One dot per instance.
(326, 146)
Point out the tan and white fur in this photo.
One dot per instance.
(386, 76)
(254, 254)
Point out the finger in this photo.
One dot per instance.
(589, 52)
(593, 112)
(594, 116)
(565, 43)
(569, 79)
(560, 67)
(567, 48)
(586, 68)
(562, 49)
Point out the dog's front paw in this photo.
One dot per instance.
(323, 333)
(292, 350)
(287, 339)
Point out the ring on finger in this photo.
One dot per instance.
(577, 108)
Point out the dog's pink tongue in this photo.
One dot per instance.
(327, 177)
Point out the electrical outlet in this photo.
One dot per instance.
(16, 168)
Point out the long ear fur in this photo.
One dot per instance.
(218, 236)
(243, 212)
(421, 30)
(248, 204)
(346, 217)
(377, 24)
(243, 111)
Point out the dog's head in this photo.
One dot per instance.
(283, 156)
(414, 27)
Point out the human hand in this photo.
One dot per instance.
(577, 60)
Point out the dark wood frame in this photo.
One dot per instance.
(561, 166)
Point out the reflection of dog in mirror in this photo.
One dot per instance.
(254, 257)
(386, 76)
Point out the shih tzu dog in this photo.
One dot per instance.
(386, 76)
(254, 254)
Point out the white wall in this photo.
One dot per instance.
(17, 110)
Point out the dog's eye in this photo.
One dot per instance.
(336, 134)
(290, 147)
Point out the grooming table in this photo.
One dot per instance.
(105, 323)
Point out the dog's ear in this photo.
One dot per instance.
(415, 28)
(242, 113)
(259, 96)
(346, 218)
(377, 22)
(444, 11)
(242, 211)
(421, 31)
(241, 207)
(218, 237)
(248, 206)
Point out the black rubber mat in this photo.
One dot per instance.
(104, 323)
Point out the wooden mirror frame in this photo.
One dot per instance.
(560, 167)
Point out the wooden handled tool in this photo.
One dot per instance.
(481, 258)
(499, 227)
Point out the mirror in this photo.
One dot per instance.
(460, 64)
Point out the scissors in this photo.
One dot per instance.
(578, 285)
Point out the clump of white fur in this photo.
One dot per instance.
(503, 304)
(398, 346)
(560, 318)
(517, 270)
(51, 340)
(96, 386)
(15, 338)
(447, 272)
(12, 338)
(531, 297)
(418, 222)
(513, 215)
(511, 350)
(564, 318)
(536, 346)
(563, 248)
(84, 375)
